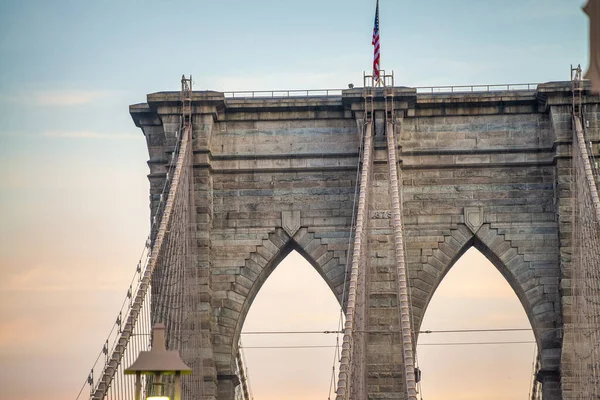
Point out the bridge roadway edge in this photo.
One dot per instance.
(502, 155)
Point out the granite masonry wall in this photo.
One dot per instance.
(490, 170)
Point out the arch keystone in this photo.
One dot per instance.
(290, 222)
(473, 218)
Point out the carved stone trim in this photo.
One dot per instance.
(473, 218)
(380, 214)
(290, 221)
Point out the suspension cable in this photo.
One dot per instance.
(345, 371)
(128, 334)
(360, 158)
(402, 276)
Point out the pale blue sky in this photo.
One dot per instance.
(111, 53)
(73, 187)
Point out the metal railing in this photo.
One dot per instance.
(283, 93)
(277, 94)
(477, 88)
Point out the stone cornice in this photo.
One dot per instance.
(406, 99)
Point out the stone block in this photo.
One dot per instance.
(269, 169)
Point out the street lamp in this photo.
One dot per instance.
(158, 362)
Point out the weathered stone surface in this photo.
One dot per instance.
(490, 170)
(473, 218)
(290, 220)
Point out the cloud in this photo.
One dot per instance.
(88, 135)
(66, 134)
(59, 97)
(14, 179)
(20, 332)
(276, 81)
(69, 97)
(53, 279)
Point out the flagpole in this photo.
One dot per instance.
(376, 48)
(379, 77)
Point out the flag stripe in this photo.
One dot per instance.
(376, 44)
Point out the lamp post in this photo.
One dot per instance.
(158, 362)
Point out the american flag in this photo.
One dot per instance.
(375, 43)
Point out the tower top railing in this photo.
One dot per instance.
(501, 87)
(283, 93)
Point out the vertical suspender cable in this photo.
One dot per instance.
(403, 298)
(585, 331)
(345, 372)
(589, 175)
(242, 372)
(337, 353)
(140, 296)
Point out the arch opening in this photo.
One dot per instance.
(294, 298)
(475, 295)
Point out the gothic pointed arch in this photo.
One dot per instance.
(315, 247)
(541, 307)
